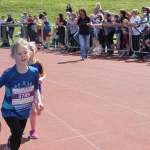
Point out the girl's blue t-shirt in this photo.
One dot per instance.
(19, 92)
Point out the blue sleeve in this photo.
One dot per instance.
(3, 79)
(36, 87)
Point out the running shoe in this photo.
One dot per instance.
(33, 134)
(83, 58)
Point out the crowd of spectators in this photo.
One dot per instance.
(95, 31)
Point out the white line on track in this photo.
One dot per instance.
(104, 99)
(73, 130)
(95, 133)
(119, 70)
(99, 78)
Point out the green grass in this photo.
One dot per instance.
(53, 7)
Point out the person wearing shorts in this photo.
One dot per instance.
(42, 74)
(46, 30)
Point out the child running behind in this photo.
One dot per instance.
(21, 88)
(42, 74)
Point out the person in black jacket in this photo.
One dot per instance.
(69, 8)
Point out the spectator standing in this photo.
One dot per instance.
(135, 19)
(73, 29)
(69, 8)
(55, 39)
(117, 32)
(46, 30)
(10, 31)
(84, 33)
(61, 22)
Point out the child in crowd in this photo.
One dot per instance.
(38, 23)
(73, 29)
(21, 88)
(98, 20)
(2, 20)
(46, 31)
(125, 31)
(98, 6)
(55, 39)
(109, 29)
(68, 15)
(91, 30)
(117, 32)
(42, 74)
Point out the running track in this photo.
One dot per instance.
(102, 103)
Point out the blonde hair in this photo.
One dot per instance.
(98, 4)
(74, 14)
(32, 46)
(135, 11)
(19, 42)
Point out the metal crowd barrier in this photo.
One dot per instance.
(137, 42)
(100, 45)
(4, 38)
(62, 38)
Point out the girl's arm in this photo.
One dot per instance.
(41, 79)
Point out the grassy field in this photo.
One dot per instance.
(53, 7)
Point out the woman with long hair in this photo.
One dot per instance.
(84, 33)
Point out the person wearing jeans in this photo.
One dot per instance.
(84, 44)
(84, 33)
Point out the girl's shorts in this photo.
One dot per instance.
(46, 35)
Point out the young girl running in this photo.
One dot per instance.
(39, 66)
(21, 86)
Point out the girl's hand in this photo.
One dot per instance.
(40, 81)
(40, 106)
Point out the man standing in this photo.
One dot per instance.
(69, 8)
(10, 31)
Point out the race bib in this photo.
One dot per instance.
(21, 96)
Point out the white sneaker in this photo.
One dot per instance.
(134, 56)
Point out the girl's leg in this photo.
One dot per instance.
(33, 134)
(16, 127)
(22, 124)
